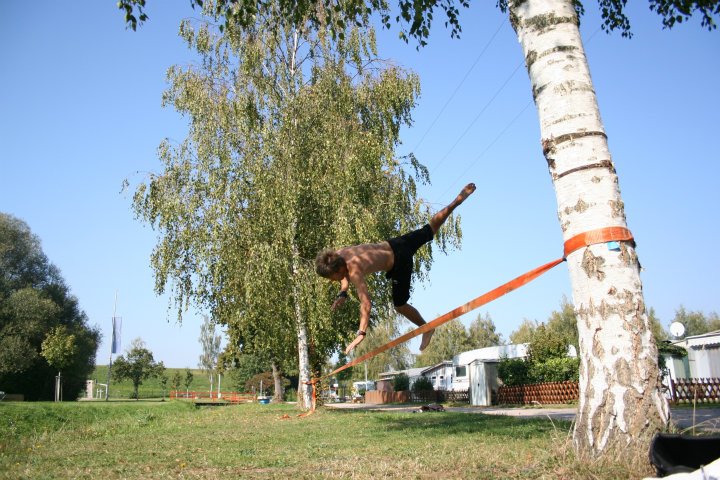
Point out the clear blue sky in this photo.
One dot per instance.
(80, 110)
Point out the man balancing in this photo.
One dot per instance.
(395, 256)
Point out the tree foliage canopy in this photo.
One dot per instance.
(59, 347)
(290, 150)
(415, 18)
(483, 333)
(697, 322)
(41, 325)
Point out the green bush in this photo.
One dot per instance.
(401, 382)
(559, 369)
(422, 384)
(514, 371)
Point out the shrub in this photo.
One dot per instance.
(422, 384)
(513, 371)
(559, 369)
(401, 382)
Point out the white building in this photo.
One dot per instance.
(441, 375)
(702, 360)
(463, 361)
(412, 373)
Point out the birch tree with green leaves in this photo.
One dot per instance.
(291, 149)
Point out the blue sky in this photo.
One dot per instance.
(80, 111)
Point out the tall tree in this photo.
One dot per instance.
(35, 307)
(290, 150)
(621, 401)
(483, 333)
(449, 340)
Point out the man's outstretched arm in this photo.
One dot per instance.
(365, 307)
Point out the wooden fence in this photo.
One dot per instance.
(702, 390)
(229, 397)
(543, 393)
(428, 396)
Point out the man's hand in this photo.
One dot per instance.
(354, 343)
(339, 301)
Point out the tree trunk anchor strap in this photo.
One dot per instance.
(601, 235)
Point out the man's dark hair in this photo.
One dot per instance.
(328, 262)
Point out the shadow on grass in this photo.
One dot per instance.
(451, 423)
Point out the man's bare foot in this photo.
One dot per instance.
(465, 193)
(426, 339)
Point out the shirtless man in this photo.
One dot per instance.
(395, 256)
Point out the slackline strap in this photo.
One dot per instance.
(601, 235)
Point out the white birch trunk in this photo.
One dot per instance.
(620, 397)
(304, 391)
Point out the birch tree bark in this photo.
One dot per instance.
(620, 398)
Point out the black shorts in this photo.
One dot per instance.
(404, 247)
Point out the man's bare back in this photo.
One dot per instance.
(367, 258)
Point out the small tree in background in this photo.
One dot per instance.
(696, 322)
(563, 324)
(188, 379)
(401, 382)
(59, 348)
(176, 380)
(137, 367)
(210, 349)
(422, 384)
(524, 333)
(163, 378)
(482, 333)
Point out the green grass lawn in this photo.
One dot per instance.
(128, 439)
(151, 388)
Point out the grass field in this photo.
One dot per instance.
(151, 388)
(128, 439)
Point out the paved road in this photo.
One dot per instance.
(706, 419)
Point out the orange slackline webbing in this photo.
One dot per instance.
(602, 235)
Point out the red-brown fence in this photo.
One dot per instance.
(544, 393)
(703, 390)
(428, 396)
(229, 397)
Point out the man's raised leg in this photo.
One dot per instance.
(439, 218)
(411, 313)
